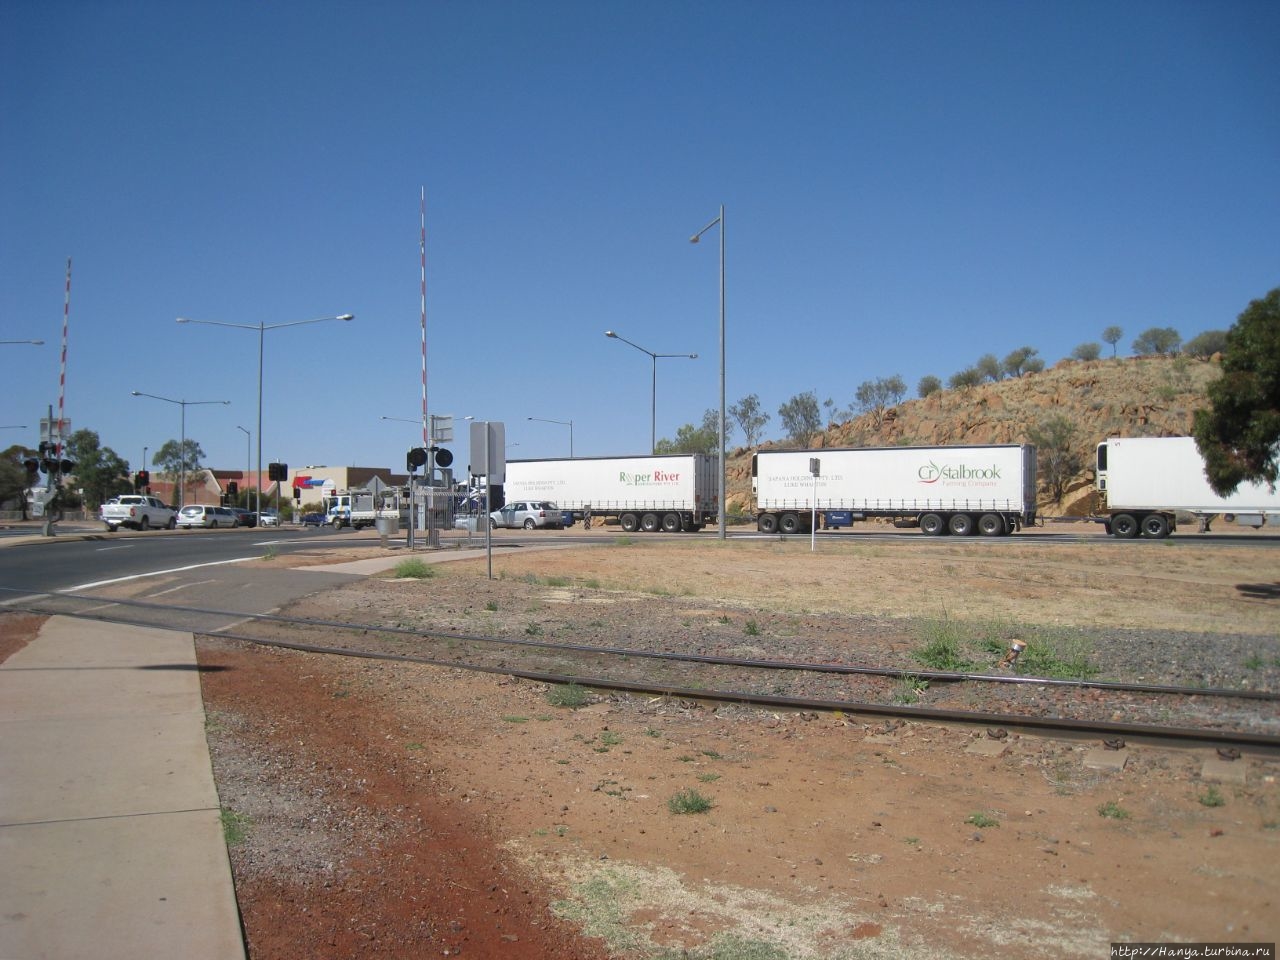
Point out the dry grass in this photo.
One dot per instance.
(1152, 586)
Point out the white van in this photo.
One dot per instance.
(200, 515)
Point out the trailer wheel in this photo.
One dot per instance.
(790, 523)
(961, 524)
(991, 525)
(1155, 526)
(629, 522)
(768, 523)
(671, 522)
(649, 523)
(1124, 526)
(932, 524)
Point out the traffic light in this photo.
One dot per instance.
(233, 489)
(33, 468)
(443, 457)
(297, 493)
(66, 466)
(416, 458)
(144, 479)
(277, 471)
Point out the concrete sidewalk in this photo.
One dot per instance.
(110, 838)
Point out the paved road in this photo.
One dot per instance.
(74, 559)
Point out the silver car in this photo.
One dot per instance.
(529, 514)
(199, 515)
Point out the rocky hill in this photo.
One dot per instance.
(1129, 396)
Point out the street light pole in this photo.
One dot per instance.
(694, 239)
(182, 448)
(262, 328)
(248, 440)
(653, 392)
(563, 423)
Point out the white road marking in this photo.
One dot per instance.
(154, 573)
(181, 586)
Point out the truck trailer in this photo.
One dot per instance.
(650, 493)
(359, 508)
(1144, 482)
(960, 490)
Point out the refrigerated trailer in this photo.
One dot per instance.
(669, 493)
(1144, 482)
(986, 489)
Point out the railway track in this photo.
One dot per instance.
(1163, 713)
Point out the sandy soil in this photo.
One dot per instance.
(393, 810)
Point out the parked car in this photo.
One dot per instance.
(268, 518)
(245, 518)
(529, 514)
(200, 515)
(313, 519)
(136, 511)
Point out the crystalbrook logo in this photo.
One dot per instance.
(932, 473)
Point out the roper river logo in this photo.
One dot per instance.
(644, 479)
(932, 473)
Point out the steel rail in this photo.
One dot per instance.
(1108, 729)
(893, 673)
(1063, 725)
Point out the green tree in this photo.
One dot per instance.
(1239, 434)
(711, 422)
(1206, 344)
(700, 439)
(877, 396)
(1087, 351)
(835, 416)
(100, 472)
(801, 418)
(988, 367)
(1058, 461)
(748, 415)
(928, 385)
(964, 379)
(174, 459)
(13, 477)
(1023, 360)
(1157, 341)
(1112, 336)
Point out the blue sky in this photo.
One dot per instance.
(907, 186)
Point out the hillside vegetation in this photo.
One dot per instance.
(1148, 396)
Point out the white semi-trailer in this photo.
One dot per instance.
(1144, 482)
(988, 489)
(670, 493)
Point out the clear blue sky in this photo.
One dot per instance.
(907, 186)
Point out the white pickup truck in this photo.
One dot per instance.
(139, 512)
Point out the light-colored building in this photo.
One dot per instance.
(312, 483)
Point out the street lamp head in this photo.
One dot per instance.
(136, 393)
(695, 238)
(345, 316)
(183, 320)
(693, 356)
(610, 333)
